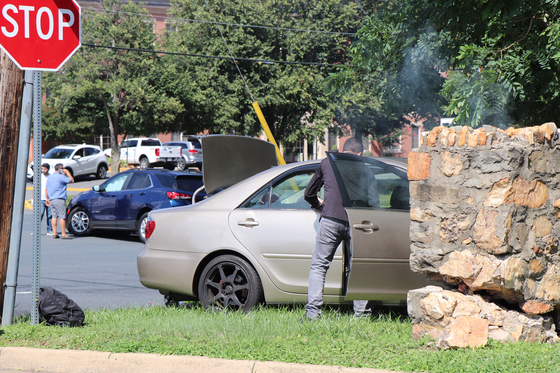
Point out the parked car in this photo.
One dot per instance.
(80, 160)
(192, 153)
(124, 201)
(252, 242)
(148, 152)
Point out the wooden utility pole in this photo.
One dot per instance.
(11, 91)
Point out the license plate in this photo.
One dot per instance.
(169, 159)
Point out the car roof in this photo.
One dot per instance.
(164, 171)
(73, 146)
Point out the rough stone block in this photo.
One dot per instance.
(419, 166)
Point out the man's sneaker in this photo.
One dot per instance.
(50, 233)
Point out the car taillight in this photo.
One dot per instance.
(157, 152)
(177, 195)
(150, 226)
(193, 151)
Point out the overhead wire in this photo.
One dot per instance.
(186, 20)
(268, 62)
(147, 15)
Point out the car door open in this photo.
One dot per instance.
(375, 197)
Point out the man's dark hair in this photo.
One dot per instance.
(46, 165)
(58, 166)
(353, 145)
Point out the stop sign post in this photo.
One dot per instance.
(40, 34)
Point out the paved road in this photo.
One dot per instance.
(97, 271)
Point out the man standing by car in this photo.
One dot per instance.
(44, 208)
(334, 227)
(56, 197)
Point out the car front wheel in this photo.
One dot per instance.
(79, 223)
(231, 282)
(142, 227)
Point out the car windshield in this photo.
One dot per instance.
(59, 153)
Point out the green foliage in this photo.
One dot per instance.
(100, 89)
(383, 341)
(502, 59)
(290, 96)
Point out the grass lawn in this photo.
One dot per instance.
(276, 334)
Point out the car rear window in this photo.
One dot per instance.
(150, 143)
(195, 144)
(188, 183)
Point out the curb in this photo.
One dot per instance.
(73, 361)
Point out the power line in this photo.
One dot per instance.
(185, 20)
(267, 62)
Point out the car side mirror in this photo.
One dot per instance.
(77, 157)
(97, 188)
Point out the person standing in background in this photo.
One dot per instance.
(44, 208)
(56, 197)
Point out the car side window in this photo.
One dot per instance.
(90, 151)
(116, 183)
(139, 180)
(288, 193)
(165, 180)
(132, 143)
(284, 194)
(79, 152)
(393, 191)
(259, 200)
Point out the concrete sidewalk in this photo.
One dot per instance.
(22, 359)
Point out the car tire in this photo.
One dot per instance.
(142, 227)
(79, 222)
(101, 171)
(181, 164)
(71, 171)
(229, 281)
(144, 163)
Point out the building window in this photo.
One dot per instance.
(415, 137)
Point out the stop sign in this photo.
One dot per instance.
(40, 34)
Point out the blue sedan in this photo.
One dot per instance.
(124, 201)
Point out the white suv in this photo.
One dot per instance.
(80, 160)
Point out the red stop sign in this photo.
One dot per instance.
(40, 34)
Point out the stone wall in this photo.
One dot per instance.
(485, 213)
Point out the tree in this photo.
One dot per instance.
(105, 87)
(500, 59)
(212, 90)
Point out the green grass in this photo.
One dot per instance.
(276, 334)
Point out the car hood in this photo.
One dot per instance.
(226, 160)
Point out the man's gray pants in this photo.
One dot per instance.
(331, 233)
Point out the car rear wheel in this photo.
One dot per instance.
(181, 164)
(142, 227)
(101, 171)
(144, 163)
(79, 222)
(229, 281)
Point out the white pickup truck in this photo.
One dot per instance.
(148, 152)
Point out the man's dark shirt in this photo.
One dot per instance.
(332, 205)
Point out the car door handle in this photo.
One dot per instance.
(143, 193)
(248, 223)
(366, 226)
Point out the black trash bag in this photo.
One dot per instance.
(56, 308)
